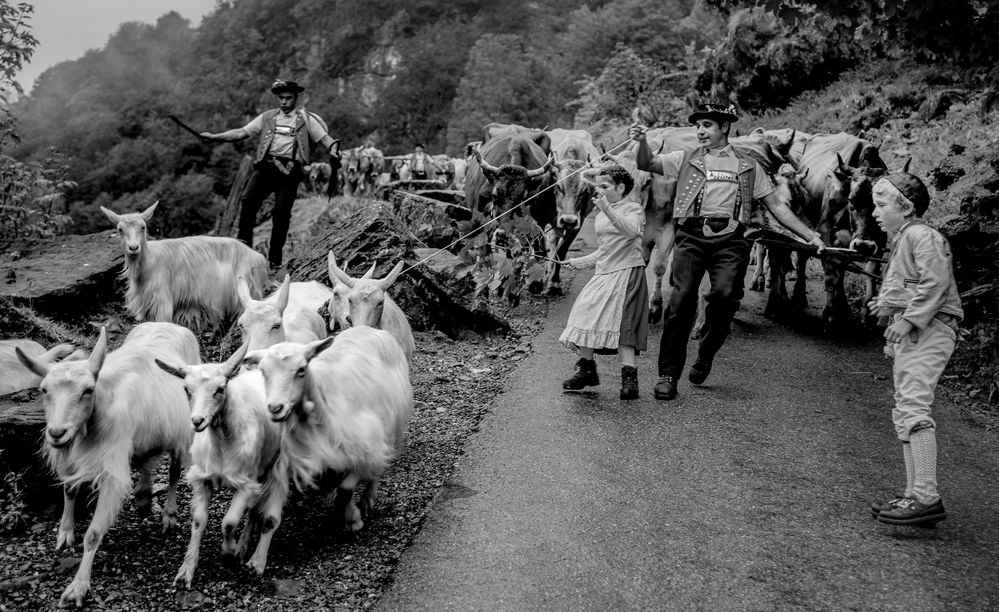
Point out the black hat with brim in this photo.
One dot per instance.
(719, 113)
(281, 86)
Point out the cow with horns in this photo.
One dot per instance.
(514, 168)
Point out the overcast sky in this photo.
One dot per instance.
(66, 29)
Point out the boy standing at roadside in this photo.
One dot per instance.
(919, 298)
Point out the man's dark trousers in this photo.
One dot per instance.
(725, 260)
(264, 180)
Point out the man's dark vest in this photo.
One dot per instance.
(693, 175)
(302, 150)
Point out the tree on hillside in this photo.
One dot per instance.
(955, 29)
(628, 80)
(416, 105)
(16, 47)
(502, 82)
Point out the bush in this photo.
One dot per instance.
(31, 199)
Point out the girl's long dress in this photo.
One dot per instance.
(616, 300)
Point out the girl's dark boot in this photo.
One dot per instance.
(629, 382)
(585, 376)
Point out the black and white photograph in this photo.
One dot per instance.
(499, 306)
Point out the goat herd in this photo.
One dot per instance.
(290, 404)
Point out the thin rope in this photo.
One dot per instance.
(513, 208)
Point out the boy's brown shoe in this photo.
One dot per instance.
(914, 513)
(879, 507)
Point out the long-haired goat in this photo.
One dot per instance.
(191, 280)
(343, 404)
(105, 412)
(365, 301)
(235, 445)
(14, 376)
(279, 317)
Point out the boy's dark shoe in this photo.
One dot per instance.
(629, 382)
(585, 376)
(879, 507)
(665, 389)
(914, 513)
(699, 371)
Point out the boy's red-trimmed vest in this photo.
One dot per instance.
(302, 150)
(692, 177)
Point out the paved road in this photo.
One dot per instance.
(749, 493)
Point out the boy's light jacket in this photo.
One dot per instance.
(920, 281)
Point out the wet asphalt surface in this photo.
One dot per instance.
(750, 492)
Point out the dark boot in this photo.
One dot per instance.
(629, 382)
(585, 376)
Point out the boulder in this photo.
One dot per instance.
(22, 424)
(64, 276)
(375, 234)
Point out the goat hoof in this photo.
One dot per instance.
(75, 593)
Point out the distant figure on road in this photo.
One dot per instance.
(286, 138)
(715, 191)
(920, 301)
(611, 314)
(420, 164)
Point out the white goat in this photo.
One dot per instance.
(365, 301)
(235, 445)
(343, 409)
(278, 318)
(191, 280)
(14, 376)
(106, 411)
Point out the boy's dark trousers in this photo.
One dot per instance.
(264, 180)
(725, 260)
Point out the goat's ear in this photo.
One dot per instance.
(317, 347)
(386, 282)
(99, 353)
(148, 213)
(243, 291)
(231, 365)
(371, 271)
(177, 371)
(283, 292)
(111, 215)
(336, 274)
(252, 359)
(37, 366)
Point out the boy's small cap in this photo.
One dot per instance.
(912, 188)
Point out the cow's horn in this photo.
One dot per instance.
(539, 171)
(486, 166)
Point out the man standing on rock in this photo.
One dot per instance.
(715, 190)
(285, 147)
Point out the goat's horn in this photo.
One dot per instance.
(336, 274)
(371, 271)
(391, 276)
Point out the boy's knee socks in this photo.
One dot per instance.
(910, 468)
(923, 443)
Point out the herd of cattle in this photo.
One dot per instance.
(365, 171)
(825, 179)
(289, 405)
